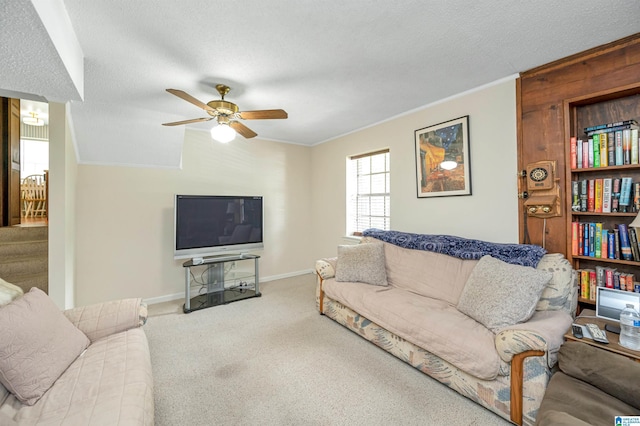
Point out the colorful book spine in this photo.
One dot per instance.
(598, 196)
(604, 151)
(605, 243)
(625, 245)
(611, 147)
(615, 195)
(626, 145)
(575, 196)
(625, 194)
(591, 195)
(634, 146)
(598, 240)
(619, 149)
(585, 154)
(592, 239)
(575, 226)
(611, 245)
(633, 242)
(573, 152)
(609, 125)
(579, 154)
(595, 142)
(606, 195)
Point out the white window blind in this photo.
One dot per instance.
(368, 192)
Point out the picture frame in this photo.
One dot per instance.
(443, 168)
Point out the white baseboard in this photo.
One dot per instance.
(176, 296)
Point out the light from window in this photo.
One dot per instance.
(368, 192)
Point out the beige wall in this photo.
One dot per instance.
(125, 215)
(490, 213)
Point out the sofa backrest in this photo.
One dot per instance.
(443, 277)
(427, 273)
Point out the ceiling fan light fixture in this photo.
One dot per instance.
(33, 120)
(223, 133)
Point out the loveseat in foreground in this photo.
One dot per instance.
(83, 366)
(430, 310)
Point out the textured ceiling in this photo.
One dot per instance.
(334, 66)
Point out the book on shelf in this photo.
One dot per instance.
(604, 151)
(605, 244)
(597, 195)
(579, 154)
(611, 148)
(591, 195)
(615, 194)
(625, 245)
(610, 125)
(573, 154)
(633, 241)
(634, 146)
(574, 238)
(606, 195)
(626, 145)
(575, 196)
(597, 252)
(611, 245)
(619, 149)
(595, 143)
(626, 188)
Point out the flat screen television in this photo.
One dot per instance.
(209, 225)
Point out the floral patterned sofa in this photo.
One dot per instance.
(476, 316)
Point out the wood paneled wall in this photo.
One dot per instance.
(541, 93)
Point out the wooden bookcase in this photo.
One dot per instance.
(612, 105)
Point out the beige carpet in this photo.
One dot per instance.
(274, 360)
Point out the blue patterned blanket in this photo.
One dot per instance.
(517, 254)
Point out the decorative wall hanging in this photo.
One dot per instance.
(442, 159)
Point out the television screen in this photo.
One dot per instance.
(206, 225)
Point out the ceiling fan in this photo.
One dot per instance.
(226, 114)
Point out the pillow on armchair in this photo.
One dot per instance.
(37, 344)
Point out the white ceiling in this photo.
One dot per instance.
(334, 66)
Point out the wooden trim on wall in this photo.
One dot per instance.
(583, 56)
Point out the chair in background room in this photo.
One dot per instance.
(34, 196)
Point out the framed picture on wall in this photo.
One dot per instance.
(442, 159)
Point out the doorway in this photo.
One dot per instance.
(34, 165)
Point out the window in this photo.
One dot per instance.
(368, 192)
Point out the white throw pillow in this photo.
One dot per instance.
(498, 294)
(37, 344)
(362, 263)
(8, 292)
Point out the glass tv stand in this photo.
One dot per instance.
(219, 280)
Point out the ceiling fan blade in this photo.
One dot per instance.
(187, 97)
(193, 120)
(246, 132)
(264, 114)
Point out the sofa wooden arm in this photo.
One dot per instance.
(517, 379)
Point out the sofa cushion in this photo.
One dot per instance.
(427, 273)
(361, 263)
(614, 374)
(8, 292)
(37, 344)
(555, 293)
(431, 324)
(569, 401)
(111, 384)
(498, 294)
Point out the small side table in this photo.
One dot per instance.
(589, 316)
